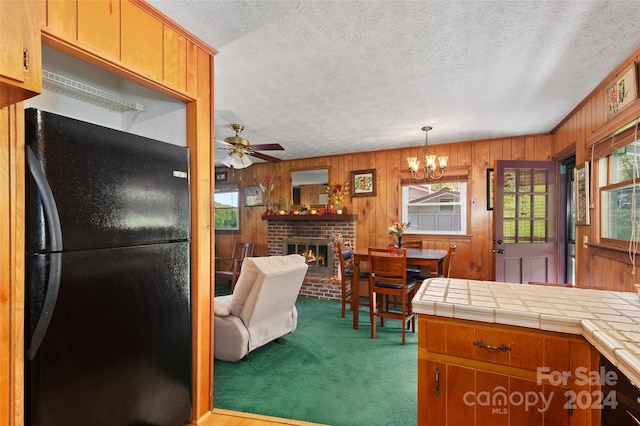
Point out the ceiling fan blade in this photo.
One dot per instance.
(223, 144)
(266, 157)
(267, 147)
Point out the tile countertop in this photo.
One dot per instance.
(609, 320)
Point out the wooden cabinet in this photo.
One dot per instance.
(20, 51)
(472, 373)
(146, 55)
(98, 26)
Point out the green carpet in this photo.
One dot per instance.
(326, 372)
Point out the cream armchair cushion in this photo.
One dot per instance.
(261, 308)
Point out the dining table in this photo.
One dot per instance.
(433, 258)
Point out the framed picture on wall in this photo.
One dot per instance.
(221, 176)
(363, 183)
(253, 196)
(622, 92)
(489, 189)
(581, 193)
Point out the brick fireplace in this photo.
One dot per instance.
(312, 231)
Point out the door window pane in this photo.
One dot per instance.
(509, 205)
(540, 206)
(540, 231)
(540, 181)
(509, 231)
(509, 180)
(524, 231)
(524, 181)
(524, 208)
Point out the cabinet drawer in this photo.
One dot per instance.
(504, 345)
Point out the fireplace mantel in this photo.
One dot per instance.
(314, 217)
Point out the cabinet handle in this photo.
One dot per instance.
(436, 390)
(25, 59)
(503, 347)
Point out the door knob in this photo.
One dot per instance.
(500, 251)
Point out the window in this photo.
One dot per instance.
(435, 208)
(226, 208)
(618, 194)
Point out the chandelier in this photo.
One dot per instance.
(237, 159)
(429, 171)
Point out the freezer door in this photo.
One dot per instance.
(111, 188)
(118, 347)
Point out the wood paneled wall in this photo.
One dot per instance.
(598, 266)
(474, 256)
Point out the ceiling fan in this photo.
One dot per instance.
(240, 149)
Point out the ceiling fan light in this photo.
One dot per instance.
(227, 160)
(244, 162)
(237, 161)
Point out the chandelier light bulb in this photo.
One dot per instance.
(429, 171)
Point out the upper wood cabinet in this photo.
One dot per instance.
(144, 50)
(132, 38)
(99, 26)
(20, 51)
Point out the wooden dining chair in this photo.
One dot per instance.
(230, 267)
(416, 270)
(389, 279)
(345, 259)
(412, 244)
(448, 261)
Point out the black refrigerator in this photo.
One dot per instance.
(107, 292)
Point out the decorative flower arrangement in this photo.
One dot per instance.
(337, 192)
(267, 187)
(397, 228)
(336, 240)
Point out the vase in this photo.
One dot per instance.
(399, 241)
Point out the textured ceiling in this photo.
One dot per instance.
(331, 77)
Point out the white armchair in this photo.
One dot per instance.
(261, 308)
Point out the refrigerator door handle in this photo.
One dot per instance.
(55, 270)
